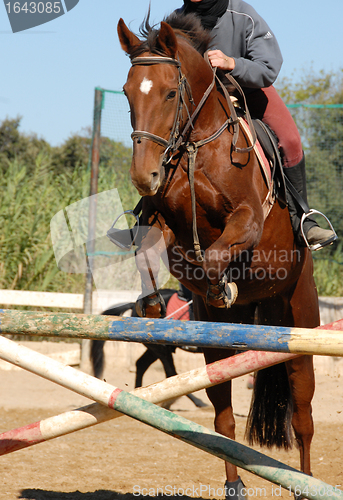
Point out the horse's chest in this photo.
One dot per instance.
(207, 211)
(209, 203)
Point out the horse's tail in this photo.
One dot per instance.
(97, 357)
(269, 420)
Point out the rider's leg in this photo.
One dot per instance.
(267, 105)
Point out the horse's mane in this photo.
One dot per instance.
(186, 26)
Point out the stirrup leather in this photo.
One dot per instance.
(317, 246)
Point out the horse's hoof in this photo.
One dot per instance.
(233, 293)
(235, 490)
(140, 308)
(150, 307)
(223, 295)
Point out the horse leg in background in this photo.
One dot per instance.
(164, 354)
(97, 357)
(143, 363)
(220, 395)
(196, 401)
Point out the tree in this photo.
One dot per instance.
(319, 117)
(15, 145)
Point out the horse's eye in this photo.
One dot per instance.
(171, 95)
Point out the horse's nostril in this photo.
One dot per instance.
(154, 174)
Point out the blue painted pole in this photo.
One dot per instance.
(159, 331)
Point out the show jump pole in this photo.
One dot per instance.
(159, 331)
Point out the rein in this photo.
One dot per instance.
(177, 138)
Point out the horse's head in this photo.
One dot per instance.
(152, 92)
(159, 98)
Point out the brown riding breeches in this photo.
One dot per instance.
(267, 105)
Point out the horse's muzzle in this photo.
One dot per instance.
(148, 182)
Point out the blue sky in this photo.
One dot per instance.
(48, 73)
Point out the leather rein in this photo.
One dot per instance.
(177, 138)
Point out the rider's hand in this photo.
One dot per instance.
(219, 60)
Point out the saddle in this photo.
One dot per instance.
(269, 143)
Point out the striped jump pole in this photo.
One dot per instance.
(159, 331)
(170, 388)
(172, 424)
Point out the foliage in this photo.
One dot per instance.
(72, 154)
(14, 145)
(35, 185)
(328, 272)
(320, 122)
(312, 88)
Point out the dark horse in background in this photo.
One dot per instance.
(174, 107)
(153, 351)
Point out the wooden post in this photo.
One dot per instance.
(95, 159)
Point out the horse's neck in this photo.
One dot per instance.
(200, 76)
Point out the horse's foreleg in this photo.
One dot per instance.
(220, 397)
(148, 257)
(242, 232)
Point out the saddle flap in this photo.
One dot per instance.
(268, 142)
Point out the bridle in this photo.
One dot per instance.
(177, 137)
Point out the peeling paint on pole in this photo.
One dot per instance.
(159, 331)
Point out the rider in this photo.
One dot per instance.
(246, 47)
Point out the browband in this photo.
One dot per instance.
(155, 60)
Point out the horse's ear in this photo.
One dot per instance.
(128, 40)
(167, 40)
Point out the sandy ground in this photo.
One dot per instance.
(124, 459)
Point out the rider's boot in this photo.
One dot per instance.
(316, 236)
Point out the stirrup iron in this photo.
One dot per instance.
(317, 246)
(124, 238)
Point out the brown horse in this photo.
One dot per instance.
(221, 229)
